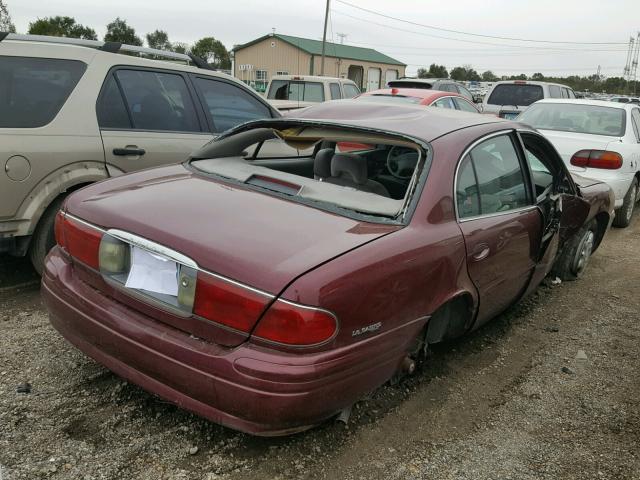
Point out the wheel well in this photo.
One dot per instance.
(451, 319)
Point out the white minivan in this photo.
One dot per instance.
(596, 139)
(509, 98)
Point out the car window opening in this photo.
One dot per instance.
(334, 168)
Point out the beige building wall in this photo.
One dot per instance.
(336, 67)
(272, 55)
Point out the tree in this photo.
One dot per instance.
(213, 51)
(465, 72)
(438, 71)
(119, 31)
(159, 39)
(180, 47)
(5, 19)
(522, 76)
(61, 27)
(537, 77)
(489, 76)
(423, 73)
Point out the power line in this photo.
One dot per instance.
(474, 42)
(431, 49)
(473, 34)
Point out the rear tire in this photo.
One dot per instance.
(574, 259)
(43, 238)
(625, 212)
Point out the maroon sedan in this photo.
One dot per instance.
(419, 96)
(272, 280)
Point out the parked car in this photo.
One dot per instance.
(77, 111)
(596, 139)
(442, 84)
(508, 98)
(290, 92)
(268, 294)
(635, 100)
(417, 96)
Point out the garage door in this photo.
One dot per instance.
(389, 76)
(373, 79)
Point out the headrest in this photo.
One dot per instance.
(322, 163)
(351, 166)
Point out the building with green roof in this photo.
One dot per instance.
(257, 61)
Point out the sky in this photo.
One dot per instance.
(236, 22)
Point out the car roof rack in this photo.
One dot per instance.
(111, 47)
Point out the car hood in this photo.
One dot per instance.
(249, 236)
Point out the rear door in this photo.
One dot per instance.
(501, 225)
(149, 117)
(227, 105)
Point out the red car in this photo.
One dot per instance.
(420, 96)
(269, 292)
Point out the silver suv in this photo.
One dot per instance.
(78, 111)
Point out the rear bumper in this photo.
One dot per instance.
(619, 182)
(249, 388)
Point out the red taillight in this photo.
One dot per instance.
(79, 239)
(228, 304)
(58, 229)
(597, 159)
(291, 324)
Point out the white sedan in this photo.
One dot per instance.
(596, 139)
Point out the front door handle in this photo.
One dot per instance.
(129, 151)
(480, 252)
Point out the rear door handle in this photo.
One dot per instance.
(129, 151)
(481, 251)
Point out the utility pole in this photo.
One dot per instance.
(634, 65)
(342, 36)
(626, 75)
(324, 38)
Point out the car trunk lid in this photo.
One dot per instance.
(569, 143)
(258, 240)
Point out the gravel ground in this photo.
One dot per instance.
(548, 390)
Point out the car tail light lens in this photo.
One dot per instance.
(297, 325)
(114, 256)
(228, 303)
(597, 159)
(80, 240)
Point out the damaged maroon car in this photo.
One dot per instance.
(280, 274)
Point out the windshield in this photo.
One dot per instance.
(328, 167)
(381, 97)
(515, 94)
(566, 117)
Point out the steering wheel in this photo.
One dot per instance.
(401, 161)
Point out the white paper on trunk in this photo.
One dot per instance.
(152, 273)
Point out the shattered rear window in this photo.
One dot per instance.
(326, 166)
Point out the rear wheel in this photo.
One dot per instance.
(625, 212)
(575, 257)
(43, 238)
